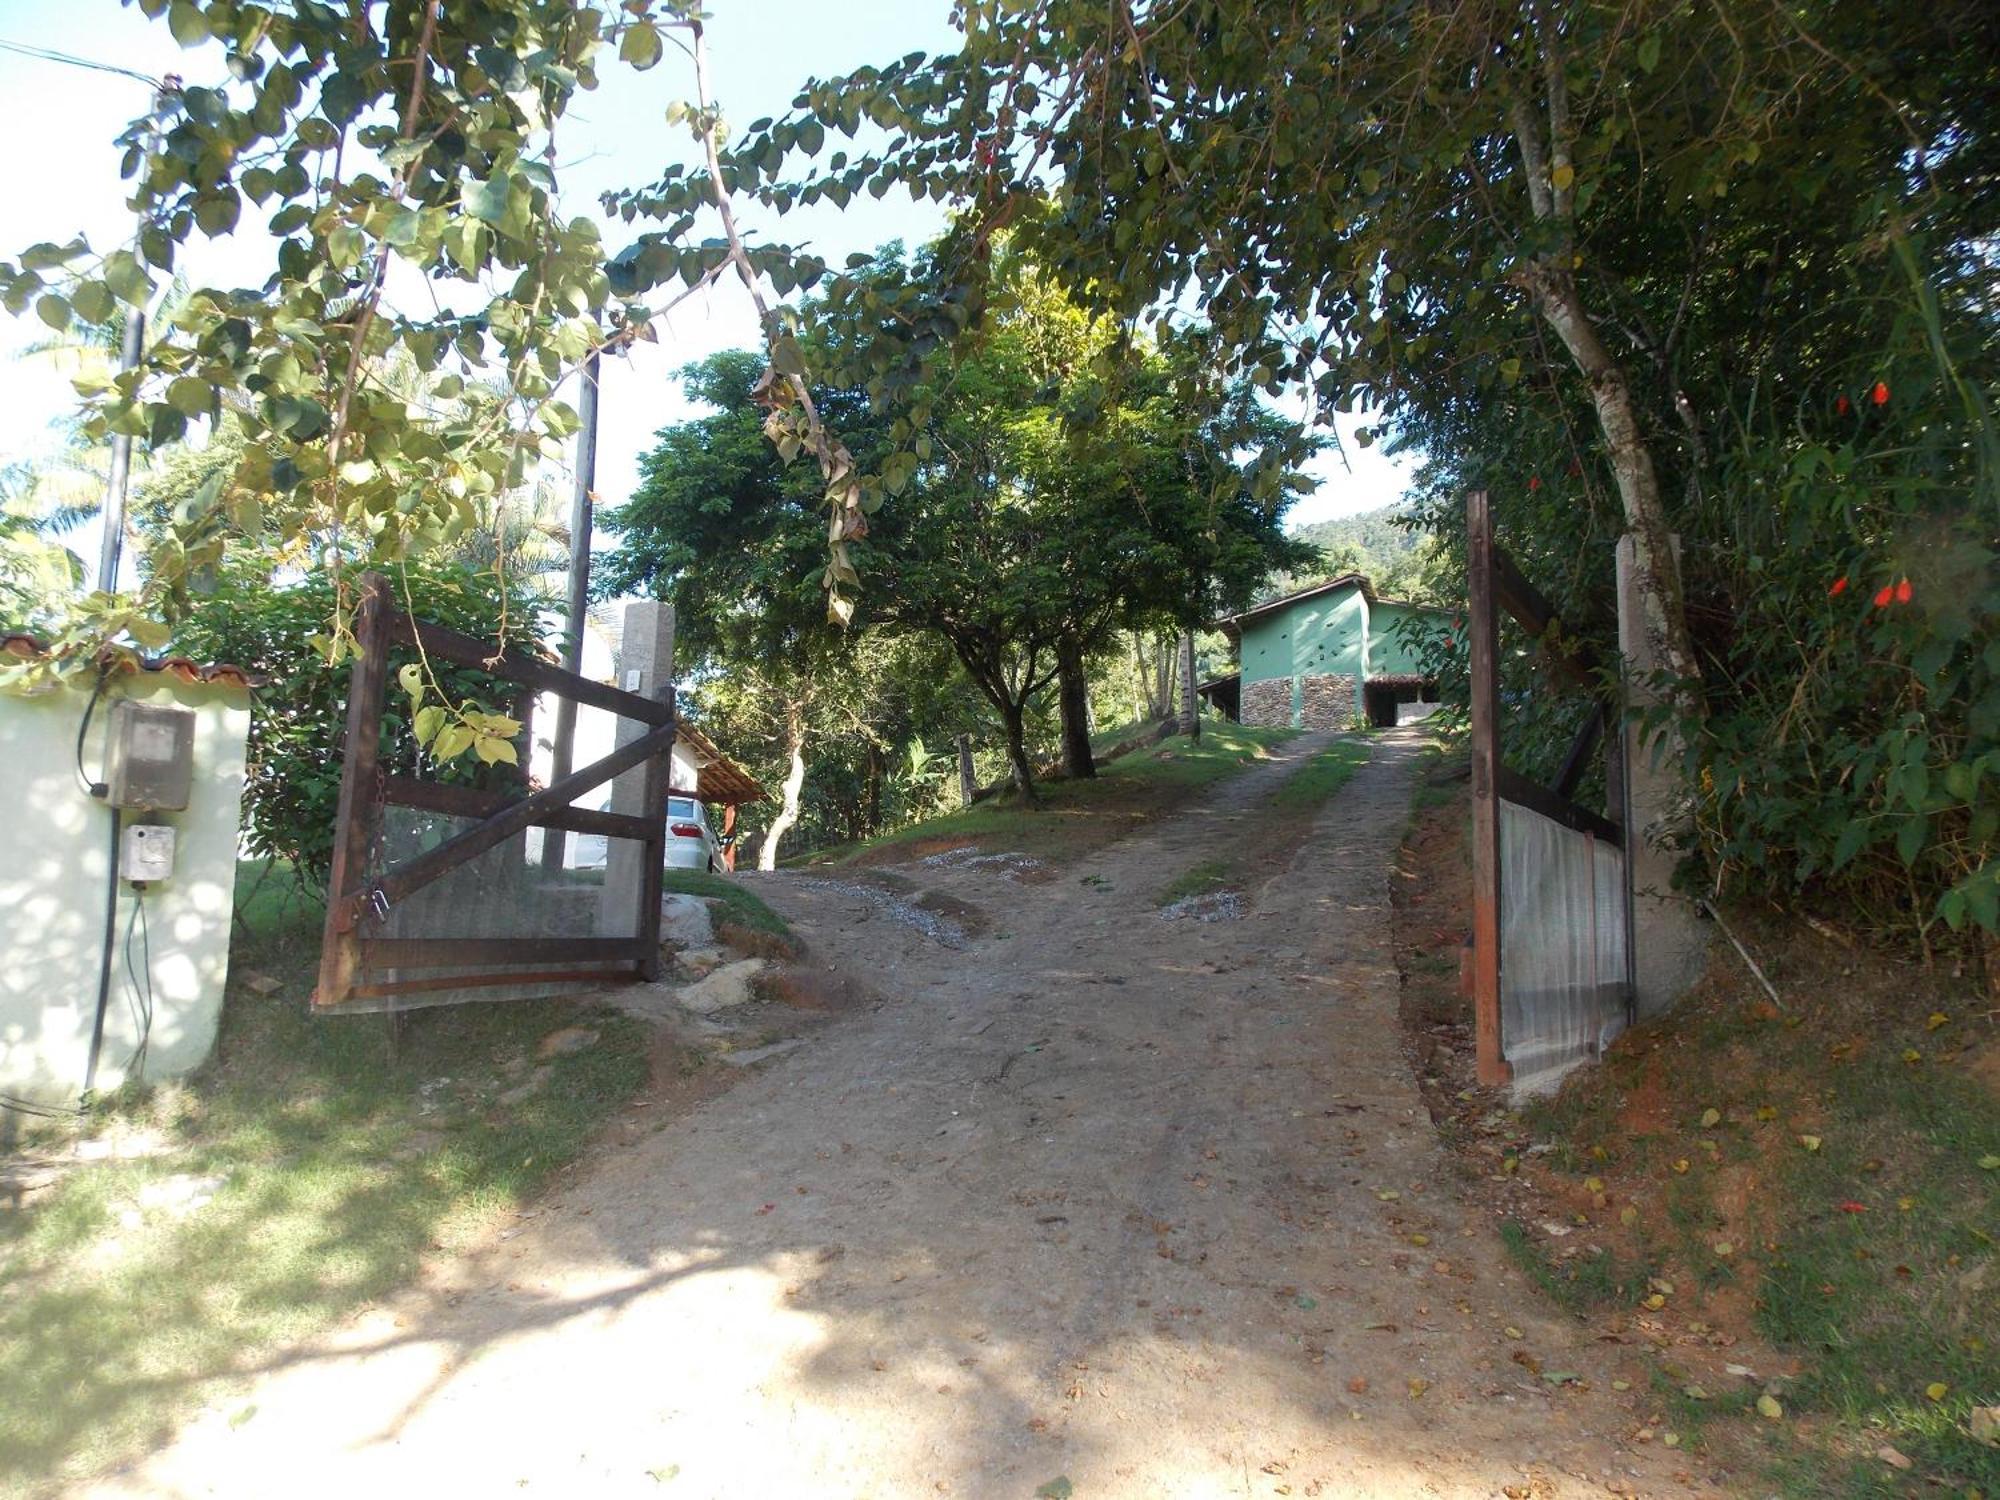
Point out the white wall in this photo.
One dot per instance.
(52, 892)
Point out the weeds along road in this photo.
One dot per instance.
(1097, 1203)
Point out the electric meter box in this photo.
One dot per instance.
(147, 853)
(149, 756)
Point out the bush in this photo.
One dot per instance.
(298, 725)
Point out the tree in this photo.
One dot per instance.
(1640, 248)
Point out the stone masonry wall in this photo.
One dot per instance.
(1268, 703)
(1328, 702)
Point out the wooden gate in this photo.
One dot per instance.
(366, 963)
(1507, 1026)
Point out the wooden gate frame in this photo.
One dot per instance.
(355, 901)
(1493, 582)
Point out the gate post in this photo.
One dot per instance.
(632, 869)
(1483, 636)
(1669, 943)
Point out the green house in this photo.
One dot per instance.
(1325, 657)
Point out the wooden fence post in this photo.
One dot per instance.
(1483, 634)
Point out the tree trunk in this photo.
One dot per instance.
(1190, 724)
(1163, 681)
(871, 817)
(1073, 699)
(1659, 571)
(1013, 717)
(1145, 675)
(795, 779)
(967, 782)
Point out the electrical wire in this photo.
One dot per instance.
(49, 54)
(91, 788)
(139, 999)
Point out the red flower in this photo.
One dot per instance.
(1840, 406)
(1534, 483)
(1883, 595)
(1904, 591)
(1839, 587)
(1880, 395)
(1851, 1207)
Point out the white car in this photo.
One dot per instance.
(691, 843)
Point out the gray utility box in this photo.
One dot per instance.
(149, 756)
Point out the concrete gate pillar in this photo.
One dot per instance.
(646, 667)
(1669, 940)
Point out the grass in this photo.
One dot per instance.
(1578, 1284)
(1872, 1258)
(1199, 880)
(1323, 775)
(741, 905)
(1077, 816)
(335, 1155)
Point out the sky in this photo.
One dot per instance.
(63, 180)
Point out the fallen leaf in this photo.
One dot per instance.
(1852, 1207)
(1912, 1055)
(1628, 1215)
(1562, 1377)
(1418, 1386)
(1810, 1142)
(1892, 1458)
(1767, 1406)
(1671, 1439)
(1694, 1393)
(1724, 1249)
(1621, 1385)
(1681, 1166)
(1388, 1195)
(1989, 1163)
(1937, 1390)
(1710, 1118)
(1058, 1488)
(1512, 1333)
(1358, 1385)
(1593, 1184)
(1937, 1018)
(1983, 1423)
(1767, 1112)
(1656, 1302)
(1420, 1240)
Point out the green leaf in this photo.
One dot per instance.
(190, 397)
(641, 45)
(488, 200)
(127, 279)
(1649, 51)
(451, 742)
(53, 311)
(217, 213)
(427, 722)
(187, 23)
(92, 301)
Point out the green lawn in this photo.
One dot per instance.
(1323, 775)
(1077, 816)
(332, 1160)
(740, 904)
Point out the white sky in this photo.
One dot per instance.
(61, 178)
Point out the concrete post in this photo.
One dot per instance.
(1669, 941)
(646, 667)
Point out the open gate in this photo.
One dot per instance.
(1551, 895)
(434, 896)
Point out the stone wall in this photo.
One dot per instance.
(1268, 703)
(1329, 702)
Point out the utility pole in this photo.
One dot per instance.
(112, 543)
(555, 840)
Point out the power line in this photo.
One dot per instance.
(49, 54)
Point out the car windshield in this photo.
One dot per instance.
(680, 807)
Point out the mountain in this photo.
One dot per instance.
(1369, 542)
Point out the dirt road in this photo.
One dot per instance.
(1093, 1203)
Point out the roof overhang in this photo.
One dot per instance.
(718, 779)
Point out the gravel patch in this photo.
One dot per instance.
(1209, 906)
(970, 857)
(939, 929)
